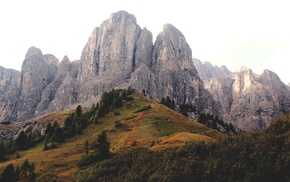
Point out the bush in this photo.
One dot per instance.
(88, 159)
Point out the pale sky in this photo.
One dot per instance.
(251, 33)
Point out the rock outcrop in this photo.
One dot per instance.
(248, 100)
(207, 71)
(118, 54)
(9, 85)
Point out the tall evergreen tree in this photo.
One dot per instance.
(79, 110)
(21, 140)
(86, 146)
(103, 146)
(48, 129)
(8, 174)
(2, 150)
(25, 168)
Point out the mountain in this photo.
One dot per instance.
(247, 100)
(118, 54)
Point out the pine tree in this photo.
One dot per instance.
(86, 146)
(79, 110)
(2, 150)
(103, 146)
(17, 173)
(25, 168)
(45, 143)
(8, 174)
(32, 176)
(21, 140)
(48, 129)
(162, 101)
(79, 128)
(144, 93)
(53, 141)
(168, 101)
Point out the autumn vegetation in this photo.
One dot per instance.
(127, 136)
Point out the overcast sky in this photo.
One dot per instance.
(249, 33)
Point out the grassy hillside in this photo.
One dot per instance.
(250, 156)
(139, 123)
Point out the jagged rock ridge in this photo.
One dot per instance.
(247, 100)
(118, 54)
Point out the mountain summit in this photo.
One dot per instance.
(248, 100)
(118, 54)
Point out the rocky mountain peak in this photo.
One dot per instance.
(207, 71)
(33, 51)
(121, 16)
(248, 100)
(243, 80)
(65, 60)
(270, 76)
(111, 47)
(171, 51)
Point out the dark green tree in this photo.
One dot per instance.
(17, 155)
(36, 136)
(17, 173)
(168, 101)
(79, 110)
(172, 104)
(73, 128)
(25, 168)
(124, 94)
(143, 92)
(79, 128)
(46, 142)
(162, 101)
(21, 140)
(103, 146)
(53, 141)
(31, 177)
(86, 146)
(68, 121)
(101, 111)
(8, 174)
(55, 125)
(2, 150)
(48, 129)
(58, 134)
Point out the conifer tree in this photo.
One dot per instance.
(79, 110)
(103, 146)
(8, 174)
(86, 146)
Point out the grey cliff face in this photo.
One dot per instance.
(118, 54)
(175, 74)
(9, 85)
(35, 76)
(44, 85)
(248, 100)
(111, 47)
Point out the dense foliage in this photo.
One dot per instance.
(24, 141)
(25, 171)
(256, 156)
